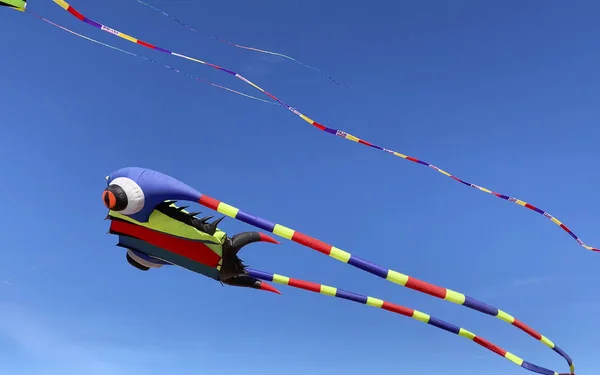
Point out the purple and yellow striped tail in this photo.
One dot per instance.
(388, 274)
(401, 310)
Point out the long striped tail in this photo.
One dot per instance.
(385, 273)
(401, 310)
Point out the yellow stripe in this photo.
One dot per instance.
(228, 210)
(572, 368)
(520, 202)
(401, 155)
(375, 302)
(484, 189)
(505, 316)
(466, 334)
(280, 279)
(421, 317)
(547, 342)
(328, 290)
(62, 4)
(339, 254)
(556, 221)
(444, 172)
(455, 297)
(307, 119)
(352, 138)
(127, 37)
(397, 277)
(513, 358)
(285, 232)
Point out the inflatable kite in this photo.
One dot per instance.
(15, 4)
(143, 213)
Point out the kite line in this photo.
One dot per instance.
(147, 59)
(401, 310)
(238, 45)
(319, 126)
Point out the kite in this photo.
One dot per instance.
(337, 132)
(237, 45)
(19, 5)
(143, 212)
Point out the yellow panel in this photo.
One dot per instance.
(397, 277)
(339, 254)
(285, 232)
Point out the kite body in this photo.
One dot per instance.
(16, 4)
(156, 232)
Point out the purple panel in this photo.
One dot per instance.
(503, 196)
(162, 50)
(537, 210)
(93, 23)
(331, 131)
(228, 71)
(368, 266)
(260, 274)
(534, 368)
(423, 162)
(443, 325)
(255, 221)
(472, 303)
(563, 354)
(377, 147)
(351, 296)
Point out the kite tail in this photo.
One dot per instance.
(146, 58)
(239, 45)
(319, 126)
(401, 310)
(384, 273)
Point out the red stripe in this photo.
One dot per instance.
(72, 10)
(488, 345)
(364, 143)
(306, 285)
(564, 227)
(193, 250)
(519, 324)
(318, 126)
(209, 202)
(412, 159)
(311, 242)
(425, 287)
(397, 309)
(145, 44)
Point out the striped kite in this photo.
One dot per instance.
(156, 232)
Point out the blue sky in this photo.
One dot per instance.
(502, 94)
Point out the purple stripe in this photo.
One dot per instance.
(474, 304)
(422, 162)
(368, 266)
(255, 221)
(351, 296)
(331, 131)
(377, 147)
(563, 354)
(260, 274)
(443, 325)
(228, 71)
(162, 50)
(534, 368)
(93, 23)
(537, 210)
(503, 196)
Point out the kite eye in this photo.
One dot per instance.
(123, 195)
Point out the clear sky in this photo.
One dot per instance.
(502, 94)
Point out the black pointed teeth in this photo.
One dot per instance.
(205, 219)
(193, 214)
(182, 208)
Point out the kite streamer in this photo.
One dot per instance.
(401, 310)
(148, 59)
(384, 273)
(319, 126)
(238, 45)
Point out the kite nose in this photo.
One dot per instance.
(114, 198)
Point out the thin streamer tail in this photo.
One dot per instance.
(319, 126)
(239, 45)
(400, 310)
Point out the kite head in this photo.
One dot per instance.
(136, 192)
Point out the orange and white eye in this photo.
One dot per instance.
(124, 195)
